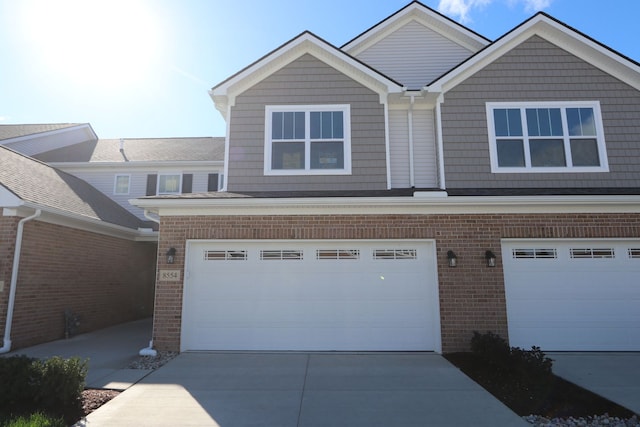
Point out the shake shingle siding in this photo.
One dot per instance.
(539, 71)
(306, 81)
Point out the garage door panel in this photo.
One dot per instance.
(570, 303)
(375, 313)
(351, 295)
(315, 339)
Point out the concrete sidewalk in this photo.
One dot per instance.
(109, 351)
(305, 390)
(615, 376)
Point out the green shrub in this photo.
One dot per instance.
(52, 387)
(18, 385)
(36, 420)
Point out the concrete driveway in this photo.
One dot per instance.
(305, 390)
(615, 376)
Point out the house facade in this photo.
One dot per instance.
(417, 184)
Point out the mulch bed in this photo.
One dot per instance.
(555, 399)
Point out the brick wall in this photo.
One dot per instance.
(104, 280)
(471, 296)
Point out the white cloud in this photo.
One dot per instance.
(536, 5)
(462, 9)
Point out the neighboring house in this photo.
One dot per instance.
(417, 184)
(123, 169)
(66, 247)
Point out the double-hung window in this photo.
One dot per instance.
(121, 184)
(546, 137)
(307, 140)
(169, 183)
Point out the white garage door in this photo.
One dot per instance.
(577, 295)
(311, 295)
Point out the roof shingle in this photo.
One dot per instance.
(38, 183)
(140, 150)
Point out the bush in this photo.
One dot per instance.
(52, 387)
(512, 361)
(36, 420)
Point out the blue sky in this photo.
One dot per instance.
(142, 68)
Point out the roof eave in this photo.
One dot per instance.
(224, 94)
(554, 31)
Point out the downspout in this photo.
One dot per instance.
(440, 141)
(149, 351)
(387, 142)
(412, 178)
(6, 344)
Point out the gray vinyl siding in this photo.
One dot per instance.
(307, 81)
(104, 181)
(414, 55)
(537, 70)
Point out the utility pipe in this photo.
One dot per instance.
(412, 177)
(6, 344)
(149, 351)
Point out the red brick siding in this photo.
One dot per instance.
(105, 280)
(471, 296)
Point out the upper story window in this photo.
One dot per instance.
(121, 184)
(307, 140)
(169, 183)
(546, 137)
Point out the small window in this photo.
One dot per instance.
(634, 253)
(280, 255)
(121, 185)
(338, 254)
(546, 137)
(394, 254)
(592, 253)
(169, 183)
(222, 255)
(307, 140)
(535, 253)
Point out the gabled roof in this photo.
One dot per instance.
(18, 130)
(225, 92)
(139, 150)
(430, 18)
(42, 186)
(554, 31)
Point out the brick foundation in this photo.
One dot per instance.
(471, 295)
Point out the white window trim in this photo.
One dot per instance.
(169, 174)
(345, 108)
(602, 149)
(115, 184)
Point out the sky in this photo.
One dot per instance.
(143, 68)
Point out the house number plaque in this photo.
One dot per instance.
(169, 275)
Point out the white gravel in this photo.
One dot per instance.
(595, 421)
(149, 362)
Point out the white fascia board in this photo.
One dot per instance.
(554, 32)
(224, 95)
(419, 204)
(93, 225)
(425, 16)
